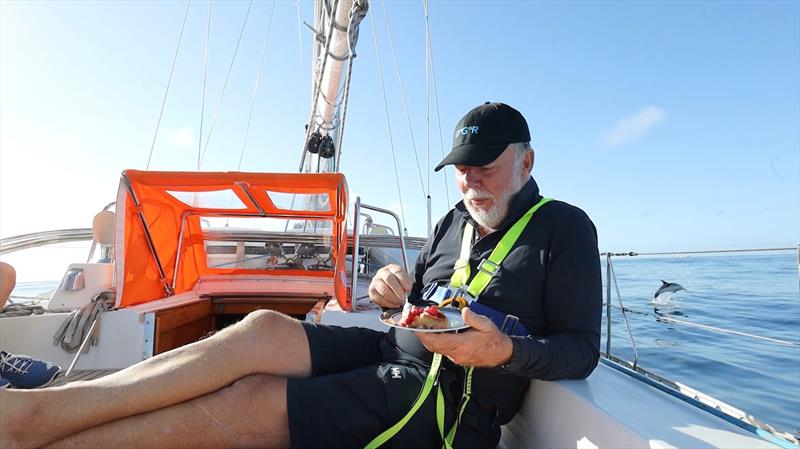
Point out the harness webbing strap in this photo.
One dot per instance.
(489, 267)
(461, 269)
(440, 413)
(486, 271)
(430, 380)
(448, 441)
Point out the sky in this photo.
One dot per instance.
(674, 125)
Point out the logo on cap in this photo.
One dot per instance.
(467, 130)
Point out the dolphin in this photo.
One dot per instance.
(668, 287)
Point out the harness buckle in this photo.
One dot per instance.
(456, 297)
(509, 324)
(488, 267)
(437, 293)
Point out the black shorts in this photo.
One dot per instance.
(357, 390)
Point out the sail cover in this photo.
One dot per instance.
(164, 220)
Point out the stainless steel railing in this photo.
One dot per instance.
(356, 240)
(17, 243)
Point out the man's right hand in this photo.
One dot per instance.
(390, 286)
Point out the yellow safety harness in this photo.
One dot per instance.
(486, 271)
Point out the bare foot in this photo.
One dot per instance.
(18, 426)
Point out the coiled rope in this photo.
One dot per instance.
(76, 326)
(21, 310)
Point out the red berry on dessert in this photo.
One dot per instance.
(424, 318)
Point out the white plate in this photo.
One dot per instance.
(453, 317)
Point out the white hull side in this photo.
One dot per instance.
(123, 340)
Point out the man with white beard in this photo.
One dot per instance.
(535, 314)
(525, 267)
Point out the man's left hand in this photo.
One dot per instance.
(481, 346)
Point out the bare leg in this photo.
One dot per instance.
(249, 413)
(264, 342)
(8, 279)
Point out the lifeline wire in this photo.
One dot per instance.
(663, 318)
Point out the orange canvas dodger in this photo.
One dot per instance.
(160, 214)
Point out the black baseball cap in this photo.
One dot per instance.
(483, 134)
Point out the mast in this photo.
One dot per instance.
(336, 32)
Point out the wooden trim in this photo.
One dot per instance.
(245, 305)
(182, 325)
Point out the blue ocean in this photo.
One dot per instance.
(757, 294)
(750, 293)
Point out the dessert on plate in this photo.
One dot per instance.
(429, 317)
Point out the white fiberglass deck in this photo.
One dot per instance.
(608, 410)
(613, 410)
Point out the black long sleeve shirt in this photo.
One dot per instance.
(550, 280)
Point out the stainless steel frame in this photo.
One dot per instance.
(354, 270)
(356, 238)
(25, 241)
(167, 288)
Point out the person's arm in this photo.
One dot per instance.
(572, 304)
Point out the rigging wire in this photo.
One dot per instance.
(428, 212)
(255, 86)
(205, 78)
(225, 85)
(300, 47)
(351, 54)
(340, 134)
(357, 13)
(427, 102)
(169, 81)
(388, 119)
(403, 96)
(438, 114)
(318, 83)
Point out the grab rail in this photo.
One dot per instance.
(356, 237)
(25, 241)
